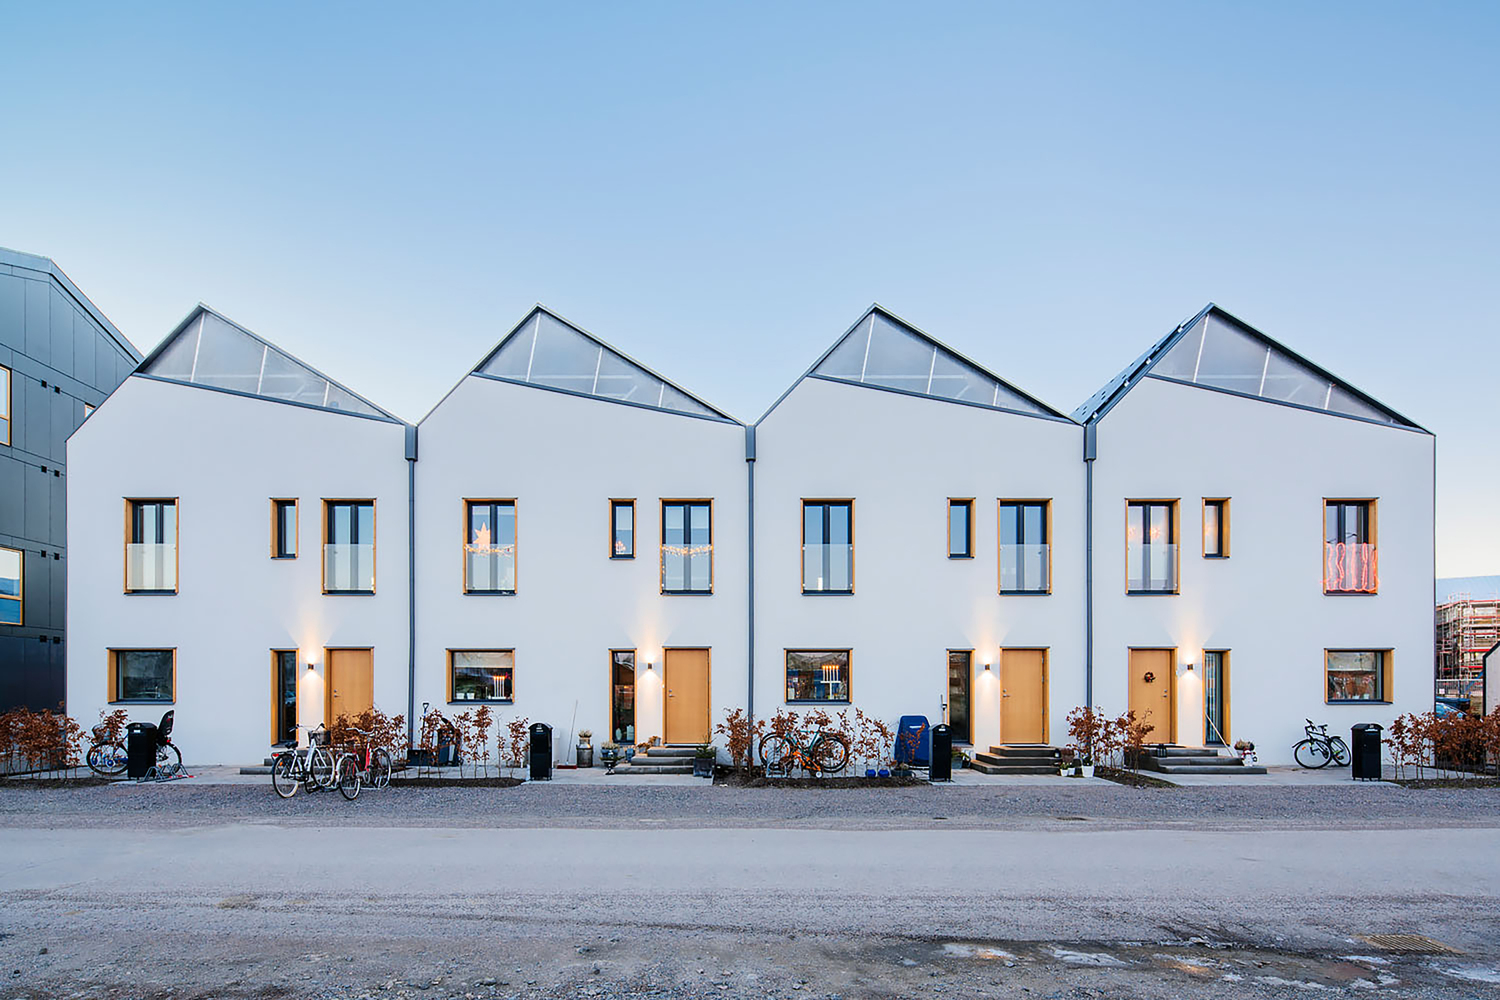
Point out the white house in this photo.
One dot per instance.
(581, 553)
(241, 530)
(1262, 539)
(919, 543)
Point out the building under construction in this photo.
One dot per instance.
(1467, 628)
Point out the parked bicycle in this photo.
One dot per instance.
(1318, 749)
(108, 757)
(373, 763)
(820, 752)
(313, 767)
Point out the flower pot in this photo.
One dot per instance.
(1088, 770)
(883, 773)
(869, 772)
(703, 767)
(585, 755)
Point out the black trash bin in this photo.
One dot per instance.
(541, 752)
(941, 766)
(1364, 739)
(140, 748)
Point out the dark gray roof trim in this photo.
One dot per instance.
(1097, 405)
(46, 265)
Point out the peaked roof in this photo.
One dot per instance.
(883, 351)
(213, 352)
(548, 352)
(1214, 350)
(36, 262)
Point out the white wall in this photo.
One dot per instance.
(901, 458)
(224, 456)
(563, 457)
(1265, 603)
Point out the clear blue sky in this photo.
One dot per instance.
(721, 189)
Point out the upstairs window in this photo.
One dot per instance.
(12, 566)
(961, 529)
(1025, 550)
(4, 405)
(687, 547)
(349, 547)
(622, 529)
(828, 546)
(151, 546)
(1350, 560)
(490, 547)
(283, 529)
(1216, 529)
(1151, 547)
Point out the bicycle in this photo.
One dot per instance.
(106, 756)
(1318, 749)
(373, 763)
(311, 767)
(824, 753)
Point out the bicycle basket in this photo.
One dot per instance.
(101, 733)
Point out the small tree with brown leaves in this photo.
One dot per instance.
(1134, 732)
(484, 720)
(1083, 730)
(740, 736)
(519, 733)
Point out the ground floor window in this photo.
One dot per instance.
(284, 694)
(481, 674)
(622, 696)
(147, 675)
(817, 675)
(1358, 675)
(1215, 697)
(960, 671)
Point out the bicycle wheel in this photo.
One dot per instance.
(380, 769)
(777, 752)
(348, 778)
(1340, 750)
(832, 754)
(96, 759)
(286, 775)
(168, 760)
(320, 769)
(1311, 754)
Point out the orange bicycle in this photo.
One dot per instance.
(822, 752)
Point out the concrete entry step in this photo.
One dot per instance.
(1017, 758)
(653, 769)
(1024, 750)
(1196, 760)
(983, 768)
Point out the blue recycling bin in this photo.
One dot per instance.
(913, 741)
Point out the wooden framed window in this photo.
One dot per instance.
(817, 675)
(622, 529)
(622, 696)
(284, 678)
(687, 547)
(348, 546)
(481, 675)
(1151, 549)
(151, 546)
(490, 547)
(284, 529)
(828, 546)
(1351, 563)
(961, 528)
(1216, 528)
(143, 676)
(1025, 542)
(1358, 675)
(1215, 697)
(4, 405)
(12, 586)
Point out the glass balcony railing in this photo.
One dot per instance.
(1350, 568)
(1151, 569)
(151, 567)
(1025, 569)
(349, 569)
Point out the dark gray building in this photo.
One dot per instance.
(59, 358)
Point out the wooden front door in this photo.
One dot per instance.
(1151, 691)
(1023, 696)
(350, 682)
(685, 677)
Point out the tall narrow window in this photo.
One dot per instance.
(4, 405)
(687, 547)
(622, 529)
(817, 675)
(143, 675)
(828, 546)
(1215, 697)
(481, 675)
(490, 547)
(1350, 563)
(1358, 675)
(283, 529)
(349, 547)
(960, 529)
(622, 695)
(284, 695)
(151, 547)
(1151, 547)
(1216, 529)
(960, 674)
(12, 567)
(1025, 549)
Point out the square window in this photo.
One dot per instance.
(817, 675)
(143, 675)
(1358, 675)
(483, 675)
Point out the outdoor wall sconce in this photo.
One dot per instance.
(1188, 666)
(649, 667)
(986, 667)
(309, 666)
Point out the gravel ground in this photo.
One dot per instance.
(1353, 806)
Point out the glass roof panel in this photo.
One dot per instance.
(1231, 358)
(284, 379)
(176, 359)
(227, 359)
(1340, 400)
(898, 359)
(547, 351)
(1290, 382)
(847, 360)
(1181, 361)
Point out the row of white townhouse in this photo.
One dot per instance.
(1227, 539)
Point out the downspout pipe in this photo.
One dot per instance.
(411, 583)
(750, 590)
(1090, 452)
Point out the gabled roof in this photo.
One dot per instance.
(883, 351)
(548, 352)
(1216, 351)
(46, 265)
(212, 352)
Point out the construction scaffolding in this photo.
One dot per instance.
(1466, 629)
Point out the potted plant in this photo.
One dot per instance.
(1246, 750)
(960, 759)
(585, 748)
(703, 761)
